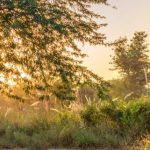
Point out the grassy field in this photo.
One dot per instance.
(104, 125)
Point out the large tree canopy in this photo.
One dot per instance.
(38, 45)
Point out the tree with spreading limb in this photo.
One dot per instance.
(38, 46)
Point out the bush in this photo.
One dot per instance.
(21, 139)
(38, 141)
(91, 116)
(85, 138)
(132, 116)
(109, 124)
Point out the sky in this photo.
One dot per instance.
(130, 16)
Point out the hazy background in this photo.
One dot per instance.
(130, 16)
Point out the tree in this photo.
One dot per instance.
(132, 61)
(38, 46)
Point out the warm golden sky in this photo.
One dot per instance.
(131, 16)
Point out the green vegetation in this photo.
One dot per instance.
(39, 47)
(107, 124)
(60, 102)
(132, 62)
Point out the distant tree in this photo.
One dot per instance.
(132, 61)
(38, 46)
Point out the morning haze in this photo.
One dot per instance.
(130, 16)
(49, 99)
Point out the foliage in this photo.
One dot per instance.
(132, 116)
(104, 125)
(119, 88)
(132, 61)
(85, 138)
(38, 46)
(91, 116)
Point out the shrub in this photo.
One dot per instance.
(85, 138)
(91, 116)
(21, 139)
(109, 124)
(132, 116)
(38, 141)
(66, 136)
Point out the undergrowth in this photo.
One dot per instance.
(107, 124)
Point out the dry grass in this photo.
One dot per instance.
(25, 124)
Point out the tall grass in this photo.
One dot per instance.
(97, 124)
